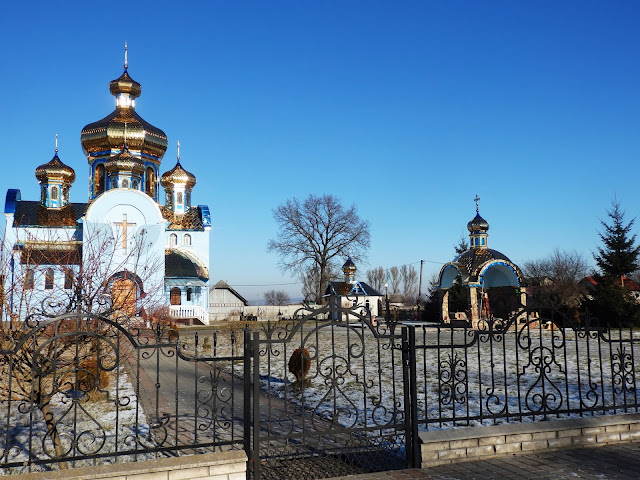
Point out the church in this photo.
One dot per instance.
(136, 236)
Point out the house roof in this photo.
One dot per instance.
(179, 264)
(357, 289)
(30, 213)
(222, 285)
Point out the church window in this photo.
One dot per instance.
(68, 280)
(125, 183)
(28, 279)
(168, 199)
(188, 198)
(54, 193)
(482, 241)
(48, 279)
(114, 184)
(99, 180)
(135, 185)
(186, 240)
(189, 292)
(149, 181)
(65, 194)
(175, 296)
(477, 243)
(173, 239)
(179, 198)
(43, 195)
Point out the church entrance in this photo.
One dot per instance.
(124, 295)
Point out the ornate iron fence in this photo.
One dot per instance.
(81, 389)
(542, 363)
(305, 398)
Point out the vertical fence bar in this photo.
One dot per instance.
(415, 443)
(246, 390)
(255, 455)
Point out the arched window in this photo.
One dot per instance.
(48, 279)
(179, 198)
(28, 279)
(186, 240)
(98, 180)
(173, 239)
(114, 184)
(125, 183)
(54, 193)
(188, 197)
(149, 182)
(175, 296)
(189, 292)
(43, 195)
(168, 199)
(135, 185)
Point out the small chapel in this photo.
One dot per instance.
(491, 281)
(137, 228)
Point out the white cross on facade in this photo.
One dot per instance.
(124, 225)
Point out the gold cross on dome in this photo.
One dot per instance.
(477, 199)
(124, 225)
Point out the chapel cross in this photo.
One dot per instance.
(477, 199)
(124, 225)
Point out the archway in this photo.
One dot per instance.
(124, 295)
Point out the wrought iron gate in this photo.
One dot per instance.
(346, 410)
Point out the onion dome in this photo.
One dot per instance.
(478, 224)
(106, 137)
(124, 162)
(177, 176)
(349, 267)
(125, 84)
(55, 170)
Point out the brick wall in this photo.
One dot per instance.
(209, 466)
(455, 445)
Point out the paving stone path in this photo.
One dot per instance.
(609, 462)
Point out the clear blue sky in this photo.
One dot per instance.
(405, 109)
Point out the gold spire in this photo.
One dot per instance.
(125, 56)
(55, 170)
(178, 176)
(178, 150)
(56, 142)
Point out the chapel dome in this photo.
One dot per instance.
(349, 267)
(178, 176)
(124, 162)
(107, 136)
(55, 170)
(478, 224)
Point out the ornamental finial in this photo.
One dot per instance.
(56, 142)
(477, 199)
(125, 56)
(178, 150)
(125, 136)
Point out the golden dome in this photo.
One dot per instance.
(106, 136)
(178, 176)
(55, 170)
(349, 267)
(478, 224)
(124, 162)
(125, 84)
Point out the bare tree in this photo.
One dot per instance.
(409, 277)
(315, 233)
(311, 280)
(394, 279)
(376, 278)
(559, 274)
(276, 297)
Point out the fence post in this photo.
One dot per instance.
(255, 457)
(247, 394)
(410, 395)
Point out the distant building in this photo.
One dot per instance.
(346, 294)
(590, 284)
(225, 302)
(492, 279)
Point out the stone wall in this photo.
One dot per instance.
(209, 466)
(456, 445)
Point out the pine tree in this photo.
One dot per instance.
(620, 253)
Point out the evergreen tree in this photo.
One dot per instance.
(462, 246)
(620, 253)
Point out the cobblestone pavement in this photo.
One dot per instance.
(609, 462)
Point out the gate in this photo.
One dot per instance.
(329, 397)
